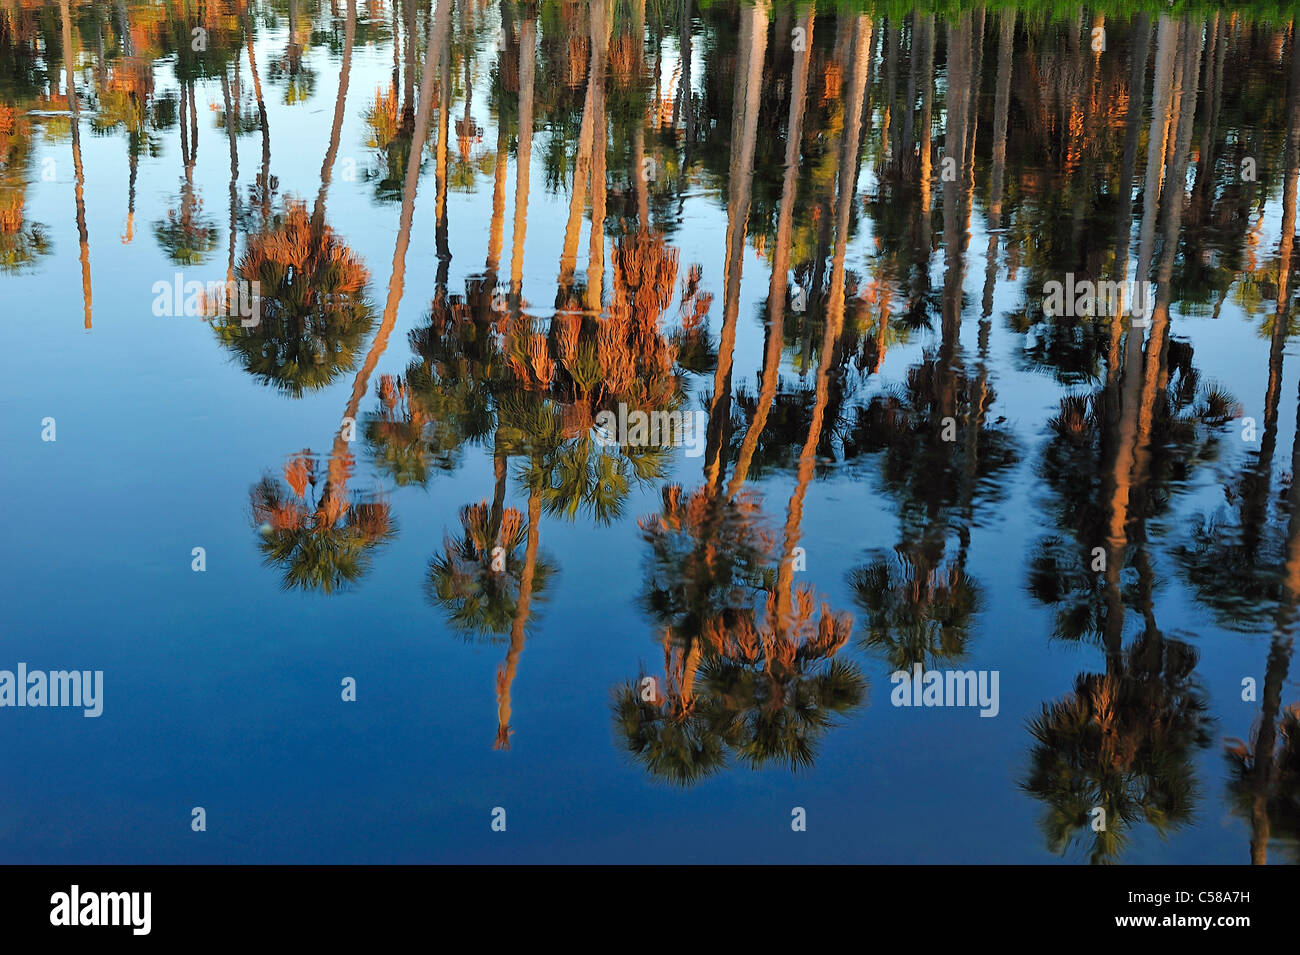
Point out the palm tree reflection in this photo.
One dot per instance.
(1121, 741)
(330, 546)
(476, 578)
(321, 537)
(750, 659)
(315, 312)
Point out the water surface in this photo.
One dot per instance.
(478, 230)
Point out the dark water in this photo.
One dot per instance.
(831, 235)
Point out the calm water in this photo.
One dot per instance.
(479, 230)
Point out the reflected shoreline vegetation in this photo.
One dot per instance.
(683, 409)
